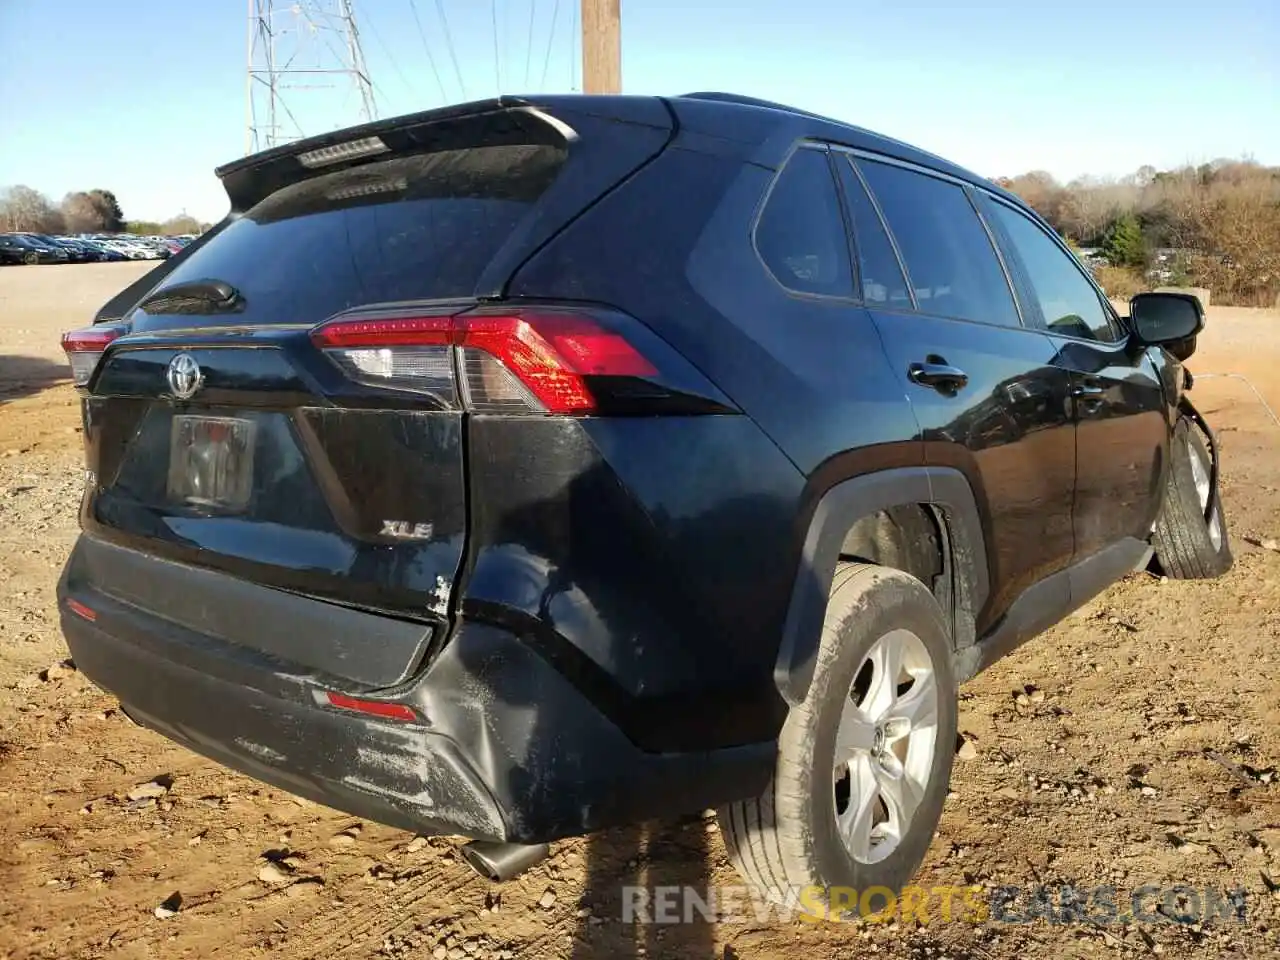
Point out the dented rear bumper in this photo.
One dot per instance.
(505, 747)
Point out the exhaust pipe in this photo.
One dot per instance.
(499, 862)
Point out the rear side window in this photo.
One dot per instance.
(1068, 302)
(800, 235)
(412, 227)
(878, 267)
(950, 262)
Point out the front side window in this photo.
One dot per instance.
(1068, 302)
(950, 262)
(800, 235)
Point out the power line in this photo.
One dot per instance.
(453, 54)
(546, 61)
(497, 61)
(390, 59)
(573, 49)
(413, 6)
(528, 47)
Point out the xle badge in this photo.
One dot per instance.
(406, 530)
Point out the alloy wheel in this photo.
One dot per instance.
(885, 745)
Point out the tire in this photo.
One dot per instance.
(1187, 547)
(31, 259)
(786, 842)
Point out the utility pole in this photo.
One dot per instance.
(601, 46)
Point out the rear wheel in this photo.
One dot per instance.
(863, 762)
(1189, 547)
(31, 258)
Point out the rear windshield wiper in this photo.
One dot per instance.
(195, 297)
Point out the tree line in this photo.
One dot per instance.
(1216, 225)
(24, 209)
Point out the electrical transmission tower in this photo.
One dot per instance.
(297, 47)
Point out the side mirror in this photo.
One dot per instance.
(1165, 318)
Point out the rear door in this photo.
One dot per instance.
(989, 399)
(1118, 402)
(225, 432)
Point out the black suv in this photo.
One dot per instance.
(526, 467)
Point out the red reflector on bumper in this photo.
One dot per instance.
(374, 708)
(80, 610)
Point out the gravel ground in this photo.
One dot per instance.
(1136, 743)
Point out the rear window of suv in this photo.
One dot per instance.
(411, 227)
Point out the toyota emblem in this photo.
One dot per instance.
(184, 376)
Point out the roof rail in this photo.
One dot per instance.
(744, 101)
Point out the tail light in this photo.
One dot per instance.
(548, 361)
(84, 348)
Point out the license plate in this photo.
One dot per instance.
(211, 461)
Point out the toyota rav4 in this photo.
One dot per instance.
(527, 467)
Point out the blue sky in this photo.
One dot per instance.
(145, 97)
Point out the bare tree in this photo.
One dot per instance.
(82, 214)
(183, 223)
(1040, 191)
(1086, 211)
(25, 209)
(1222, 219)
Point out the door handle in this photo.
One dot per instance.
(1087, 390)
(937, 373)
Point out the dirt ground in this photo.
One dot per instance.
(1144, 753)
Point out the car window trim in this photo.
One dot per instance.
(846, 218)
(884, 225)
(1023, 288)
(966, 188)
(1120, 330)
(970, 194)
(816, 146)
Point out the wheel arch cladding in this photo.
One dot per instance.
(834, 514)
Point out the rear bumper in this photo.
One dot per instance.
(506, 749)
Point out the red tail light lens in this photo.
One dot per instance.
(549, 354)
(383, 332)
(84, 348)
(534, 361)
(373, 708)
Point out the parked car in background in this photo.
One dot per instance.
(29, 247)
(153, 246)
(40, 239)
(79, 252)
(18, 248)
(60, 253)
(107, 253)
(9, 253)
(130, 249)
(103, 253)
